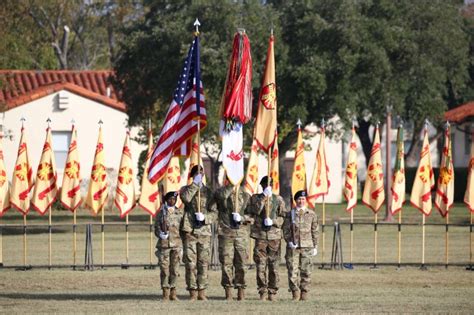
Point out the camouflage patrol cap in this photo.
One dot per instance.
(300, 193)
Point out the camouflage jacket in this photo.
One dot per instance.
(225, 200)
(168, 221)
(256, 209)
(301, 227)
(189, 196)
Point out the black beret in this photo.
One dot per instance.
(300, 193)
(194, 170)
(170, 194)
(264, 181)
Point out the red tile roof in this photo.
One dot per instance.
(461, 113)
(18, 87)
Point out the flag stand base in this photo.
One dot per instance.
(125, 266)
(337, 261)
(149, 267)
(423, 267)
(348, 266)
(374, 267)
(24, 268)
(470, 268)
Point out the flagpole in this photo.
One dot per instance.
(198, 110)
(352, 234)
(50, 237)
(126, 240)
(74, 240)
(423, 243)
(24, 240)
(447, 240)
(470, 243)
(267, 208)
(375, 239)
(151, 240)
(324, 235)
(103, 235)
(399, 238)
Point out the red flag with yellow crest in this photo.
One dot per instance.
(70, 195)
(45, 191)
(319, 185)
(125, 191)
(275, 169)
(98, 187)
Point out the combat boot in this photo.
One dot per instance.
(228, 293)
(304, 296)
(241, 294)
(263, 296)
(166, 294)
(272, 297)
(192, 295)
(173, 296)
(202, 295)
(296, 295)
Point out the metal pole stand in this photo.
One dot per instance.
(89, 257)
(336, 255)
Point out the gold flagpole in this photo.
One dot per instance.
(375, 239)
(50, 237)
(324, 235)
(267, 208)
(151, 239)
(126, 239)
(74, 239)
(103, 235)
(24, 240)
(470, 242)
(1, 243)
(423, 243)
(447, 239)
(352, 234)
(399, 239)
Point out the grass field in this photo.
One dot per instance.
(135, 290)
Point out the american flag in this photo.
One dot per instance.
(181, 122)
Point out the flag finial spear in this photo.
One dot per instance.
(48, 121)
(149, 124)
(298, 123)
(323, 123)
(73, 121)
(22, 119)
(197, 24)
(100, 123)
(426, 123)
(447, 125)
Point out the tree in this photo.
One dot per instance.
(152, 52)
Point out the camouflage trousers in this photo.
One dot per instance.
(196, 257)
(298, 263)
(266, 255)
(233, 253)
(168, 260)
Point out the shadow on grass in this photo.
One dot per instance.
(94, 296)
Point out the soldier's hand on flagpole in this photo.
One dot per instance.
(268, 222)
(198, 179)
(292, 245)
(314, 251)
(236, 216)
(268, 191)
(163, 236)
(200, 216)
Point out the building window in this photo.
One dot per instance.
(61, 140)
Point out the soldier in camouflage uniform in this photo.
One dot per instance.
(196, 233)
(267, 234)
(169, 245)
(301, 233)
(233, 238)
